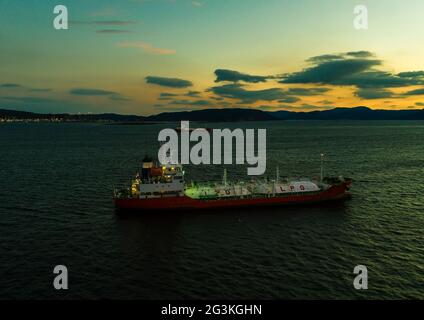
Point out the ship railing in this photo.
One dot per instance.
(259, 195)
(249, 183)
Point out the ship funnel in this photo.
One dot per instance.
(147, 162)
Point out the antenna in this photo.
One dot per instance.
(322, 166)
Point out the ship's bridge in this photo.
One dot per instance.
(158, 179)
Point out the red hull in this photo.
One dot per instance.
(171, 203)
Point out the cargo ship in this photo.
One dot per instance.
(164, 188)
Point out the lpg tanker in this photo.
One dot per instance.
(164, 188)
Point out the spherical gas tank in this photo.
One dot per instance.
(303, 186)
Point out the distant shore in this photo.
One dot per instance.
(216, 115)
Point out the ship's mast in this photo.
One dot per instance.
(224, 178)
(322, 167)
(277, 178)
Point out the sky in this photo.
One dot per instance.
(150, 56)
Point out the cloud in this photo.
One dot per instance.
(104, 22)
(376, 79)
(324, 57)
(92, 92)
(416, 92)
(340, 56)
(360, 54)
(360, 69)
(165, 94)
(411, 74)
(331, 72)
(115, 96)
(374, 93)
(168, 82)
(183, 104)
(236, 91)
(19, 86)
(307, 91)
(146, 47)
(32, 100)
(44, 104)
(168, 96)
(10, 85)
(194, 94)
(351, 69)
(113, 31)
(235, 76)
(289, 100)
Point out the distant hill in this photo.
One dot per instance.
(223, 115)
(215, 115)
(23, 115)
(358, 113)
(208, 115)
(4, 113)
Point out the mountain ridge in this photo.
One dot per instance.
(223, 115)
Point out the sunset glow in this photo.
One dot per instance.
(147, 57)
